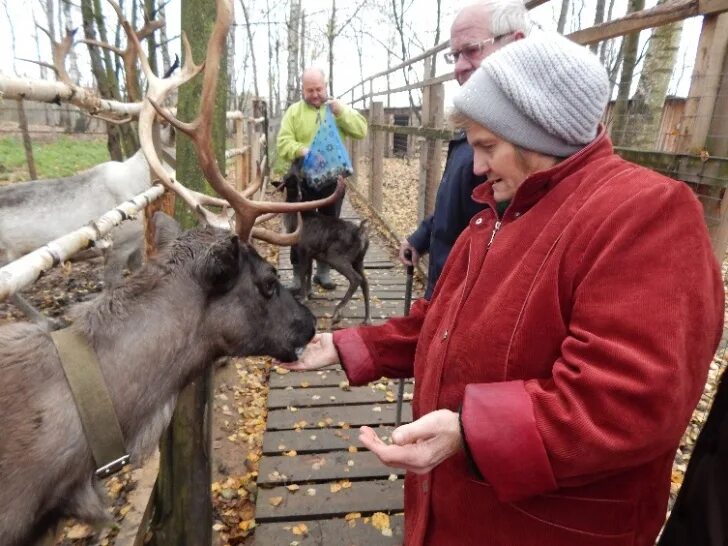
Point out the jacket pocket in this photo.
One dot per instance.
(588, 516)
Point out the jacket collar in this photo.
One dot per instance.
(540, 183)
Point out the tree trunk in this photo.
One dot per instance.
(562, 16)
(292, 83)
(330, 36)
(73, 70)
(27, 144)
(183, 508)
(645, 113)
(163, 41)
(252, 49)
(126, 133)
(149, 8)
(271, 98)
(102, 81)
(277, 88)
(303, 50)
(598, 19)
(629, 60)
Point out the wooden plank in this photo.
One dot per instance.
(316, 440)
(376, 156)
(660, 15)
(316, 501)
(329, 377)
(380, 414)
(321, 467)
(331, 532)
(330, 396)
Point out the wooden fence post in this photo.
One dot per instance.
(376, 157)
(240, 181)
(27, 145)
(705, 105)
(424, 148)
(436, 117)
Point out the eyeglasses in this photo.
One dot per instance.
(470, 51)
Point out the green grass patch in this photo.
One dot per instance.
(63, 157)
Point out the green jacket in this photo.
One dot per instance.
(299, 125)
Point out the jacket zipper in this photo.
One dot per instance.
(492, 235)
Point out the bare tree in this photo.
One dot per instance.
(163, 41)
(293, 35)
(251, 46)
(332, 32)
(302, 45)
(562, 16)
(645, 111)
(630, 45)
(399, 26)
(73, 70)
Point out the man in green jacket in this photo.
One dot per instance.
(298, 127)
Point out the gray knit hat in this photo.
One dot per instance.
(543, 93)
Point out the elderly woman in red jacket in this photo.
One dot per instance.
(569, 336)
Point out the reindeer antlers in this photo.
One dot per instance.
(200, 131)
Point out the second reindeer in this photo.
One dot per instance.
(336, 242)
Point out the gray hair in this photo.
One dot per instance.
(506, 16)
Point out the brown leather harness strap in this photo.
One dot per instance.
(98, 417)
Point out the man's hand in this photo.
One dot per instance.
(303, 152)
(419, 446)
(336, 106)
(415, 255)
(319, 353)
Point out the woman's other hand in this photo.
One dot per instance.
(418, 446)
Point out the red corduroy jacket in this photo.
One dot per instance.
(574, 335)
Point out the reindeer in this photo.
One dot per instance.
(36, 212)
(202, 297)
(333, 241)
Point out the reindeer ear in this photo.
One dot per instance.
(221, 266)
(166, 229)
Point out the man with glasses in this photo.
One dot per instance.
(478, 30)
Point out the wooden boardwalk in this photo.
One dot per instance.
(316, 483)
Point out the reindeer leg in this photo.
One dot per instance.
(354, 281)
(359, 266)
(306, 263)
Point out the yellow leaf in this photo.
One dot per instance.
(352, 515)
(380, 520)
(293, 487)
(275, 501)
(291, 453)
(353, 449)
(300, 529)
(247, 524)
(335, 487)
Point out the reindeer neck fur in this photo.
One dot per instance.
(147, 338)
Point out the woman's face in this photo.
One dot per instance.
(505, 165)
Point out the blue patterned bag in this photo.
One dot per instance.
(327, 158)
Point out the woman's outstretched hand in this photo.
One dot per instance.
(319, 353)
(418, 446)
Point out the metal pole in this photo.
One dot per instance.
(407, 302)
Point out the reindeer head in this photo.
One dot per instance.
(233, 294)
